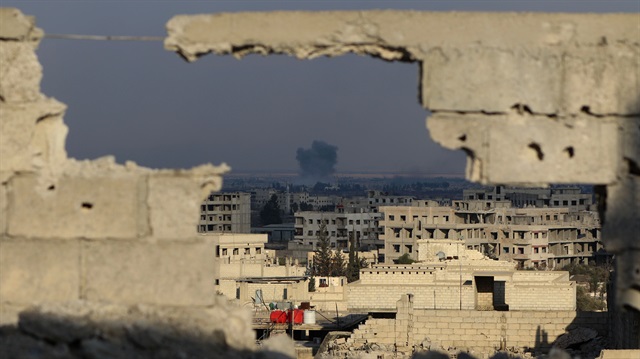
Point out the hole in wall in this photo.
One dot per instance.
(462, 138)
(522, 109)
(86, 206)
(51, 187)
(262, 105)
(537, 149)
(569, 151)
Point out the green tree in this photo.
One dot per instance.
(270, 213)
(323, 259)
(404, 259)
(354, 265)
(338, 264)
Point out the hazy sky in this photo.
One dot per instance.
(139, 102)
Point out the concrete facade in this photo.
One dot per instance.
(340, 227)
(226, 213)
(564, 197)
(563, 108)
(532, 237)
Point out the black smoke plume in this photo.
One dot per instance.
(319, 161)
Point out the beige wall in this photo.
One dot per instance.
(482, 332)
(453, 285)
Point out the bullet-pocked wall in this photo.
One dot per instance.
(531, 98)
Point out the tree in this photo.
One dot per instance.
(337, 264)
(354, 265)
(323, 259)
(270, 214)
(404, 259)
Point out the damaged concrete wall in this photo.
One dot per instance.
(106, 255)
(531, 98)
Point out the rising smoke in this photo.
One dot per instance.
(319, 161)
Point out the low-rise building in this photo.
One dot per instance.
(450, 276)
(241, 258)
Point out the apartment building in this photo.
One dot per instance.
(226, 213)
(561, 197)
(531, 237)
(340, 227)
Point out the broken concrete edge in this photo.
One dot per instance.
(279, 31)
(15, 26)
(557, 50)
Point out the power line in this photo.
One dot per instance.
(103, 37)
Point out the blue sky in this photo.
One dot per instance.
(139, 102)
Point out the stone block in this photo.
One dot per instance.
(175, 198)
(33, 136)
(107, 205)
(163, 273)
(520, 149)
(527, 76)
(599, 81)
(21, 72)
(36, 271)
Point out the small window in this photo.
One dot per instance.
(247, 251)
(224, 251)
(403, 218)
(392, 217)
(310, 233)
(236, 251)
(310, 221)
(258, 250)
(396, 248)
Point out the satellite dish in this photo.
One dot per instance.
(441, 255)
